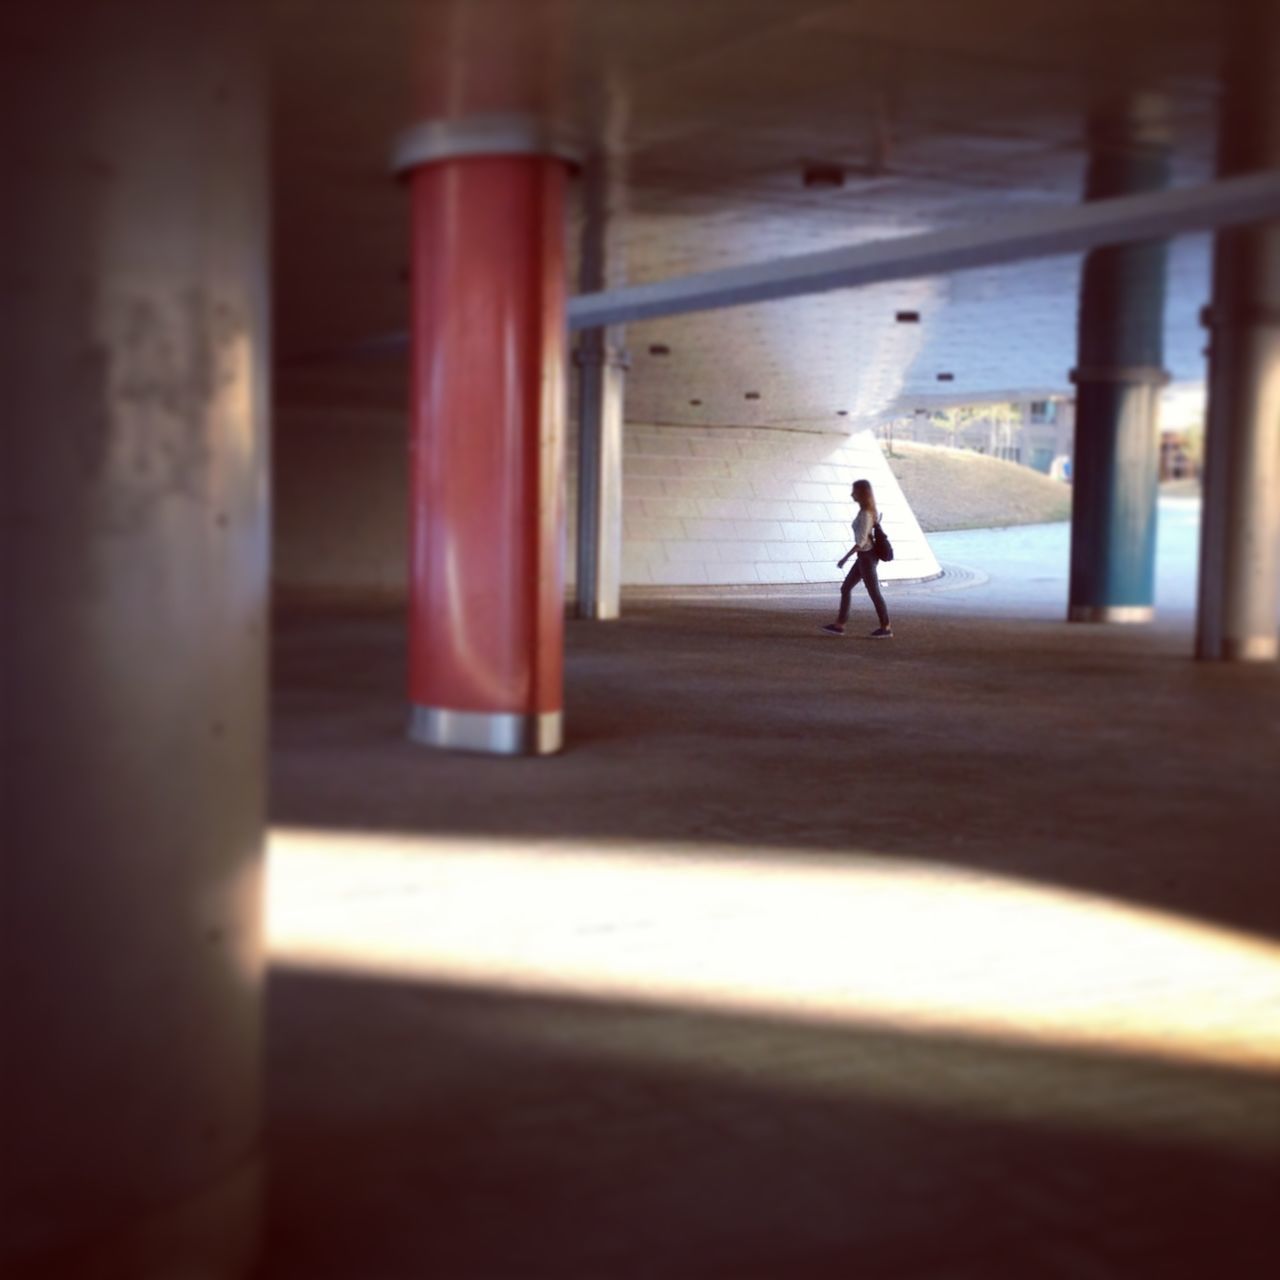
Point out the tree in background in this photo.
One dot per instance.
(1000, 419)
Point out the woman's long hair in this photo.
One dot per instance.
(864, 497)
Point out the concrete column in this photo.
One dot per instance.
(1116, 461)
(602, 363)
(1240, 536)
(133, 341)
(487, 349)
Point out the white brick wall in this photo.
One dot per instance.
(740, 505)
(702, 505)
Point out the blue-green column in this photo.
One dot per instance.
(1116, 459)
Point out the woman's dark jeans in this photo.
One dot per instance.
(864, 570)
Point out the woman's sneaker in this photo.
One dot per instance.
(880, 633)
(834, 629)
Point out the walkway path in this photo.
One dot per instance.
(1027, 566)
(951, 958)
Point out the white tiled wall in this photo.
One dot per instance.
(728, 505)
(703, 505)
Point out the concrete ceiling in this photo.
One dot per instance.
(940, 113)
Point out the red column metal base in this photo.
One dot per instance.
(487, 453)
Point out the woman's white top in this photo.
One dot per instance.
(863, 523)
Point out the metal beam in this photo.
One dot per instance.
(1039, 234)
(1229, 202)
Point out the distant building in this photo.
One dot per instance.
(1033, 431)
(1178, 456)
(1048, 432)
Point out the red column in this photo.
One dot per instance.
(486, 629)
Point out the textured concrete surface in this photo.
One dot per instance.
(470, 1116)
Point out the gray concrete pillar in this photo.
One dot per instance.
(133, 343)
(1240, 537)
(602, 369)
(1116, 460)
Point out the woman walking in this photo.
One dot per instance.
(864, 567)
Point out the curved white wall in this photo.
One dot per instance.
(703, 505)
(741, 505)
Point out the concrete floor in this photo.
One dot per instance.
(621, 1012)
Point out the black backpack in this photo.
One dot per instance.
(880, 543)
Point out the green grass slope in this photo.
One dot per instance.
(957, 489)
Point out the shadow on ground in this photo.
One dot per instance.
(426, 1131)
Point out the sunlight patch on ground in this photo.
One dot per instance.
(859, 939)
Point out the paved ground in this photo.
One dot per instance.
(952, 956)
(1027, 567)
